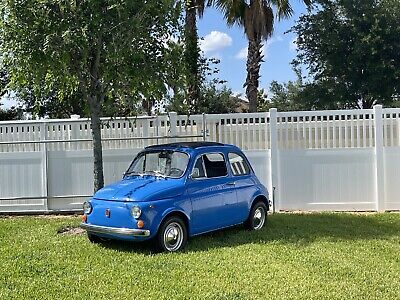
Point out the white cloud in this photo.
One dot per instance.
(215, 41)
(242, 54)
(293, 45)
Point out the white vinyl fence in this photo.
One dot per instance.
(315, 160)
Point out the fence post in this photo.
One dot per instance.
(204, 120)
(74, 132)
(173, 118)
(273, 176)
(379, 160)
(43, 150)
(146, 135)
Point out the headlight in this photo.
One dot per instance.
(87, 207)
(136, 212)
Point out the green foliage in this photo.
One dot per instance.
(191, 56)
(177, 101)
(104, 49)
(100, 48)
(13, 113)
(283, 97)
(295, 95)
(213, 100)
(296, 256)
(352, 51)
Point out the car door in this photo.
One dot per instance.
(212, 192)
(244, 183)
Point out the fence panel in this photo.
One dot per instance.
(316, 160)
(326, 129)
(21, 177)
(331, 179)
(392, 178)
(247, 131)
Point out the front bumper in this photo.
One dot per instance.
(114, 230)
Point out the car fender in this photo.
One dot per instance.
(257, 194)
(172, 210)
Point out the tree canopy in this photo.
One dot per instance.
(104, 49)
(351, 49)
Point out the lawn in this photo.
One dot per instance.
(297, 256)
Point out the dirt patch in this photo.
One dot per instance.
(70, 230)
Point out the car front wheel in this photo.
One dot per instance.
(257, 217)
(172, 235)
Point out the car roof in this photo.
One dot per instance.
(191, 145)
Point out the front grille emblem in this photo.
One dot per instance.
(108, 213)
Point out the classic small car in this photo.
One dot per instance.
(174, 191)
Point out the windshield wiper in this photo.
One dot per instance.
(134, 173)
(157, 173)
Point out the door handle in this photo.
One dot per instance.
(231, 183)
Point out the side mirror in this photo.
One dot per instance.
(195, 173)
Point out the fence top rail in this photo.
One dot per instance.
(81, 120)
(356, 112)
(391, 110)
(237, 115)
(325, 113)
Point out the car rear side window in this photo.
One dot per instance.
(215, 165)
(238, 164)
(210, 165)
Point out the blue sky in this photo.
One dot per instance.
(229, 45)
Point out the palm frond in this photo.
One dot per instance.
(200, 6)
(233, 10)
(283, 7)
(259, 20)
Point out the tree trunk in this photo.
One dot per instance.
(192, 55)
(94, 105)
(147, 105)
(253, 72)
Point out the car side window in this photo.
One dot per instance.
(215, 165)
(198, 169)
(238, 164)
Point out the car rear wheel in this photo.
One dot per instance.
(257, 217)
(172, 235)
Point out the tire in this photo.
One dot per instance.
(172, 235)
(257, 217)
(94, 238)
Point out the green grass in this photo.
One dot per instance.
(297, 256)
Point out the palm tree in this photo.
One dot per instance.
(257, 19)
(192, 51)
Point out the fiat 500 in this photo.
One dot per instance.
(174, 191)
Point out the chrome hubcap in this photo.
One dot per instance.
(258, 218)
(173, 236)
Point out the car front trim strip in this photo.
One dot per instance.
(115, 230)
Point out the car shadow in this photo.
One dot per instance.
(297, 229)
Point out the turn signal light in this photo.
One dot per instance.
(140, 224)
(84, 218)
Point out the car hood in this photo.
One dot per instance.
(145, 188)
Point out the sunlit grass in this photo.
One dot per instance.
(310, 256)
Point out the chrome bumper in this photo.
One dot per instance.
(115, 230)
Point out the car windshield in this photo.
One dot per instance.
(163, 163)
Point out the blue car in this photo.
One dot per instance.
(174, 191)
